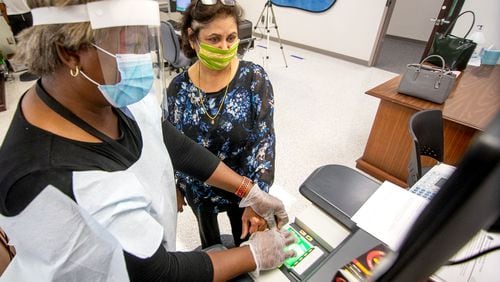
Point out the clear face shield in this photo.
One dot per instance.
(128, 65)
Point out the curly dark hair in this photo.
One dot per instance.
(202, 15)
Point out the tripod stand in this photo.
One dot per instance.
(267, 25)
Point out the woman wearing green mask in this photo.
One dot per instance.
(226, 105)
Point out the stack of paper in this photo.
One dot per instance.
(389, 213)
(484, 268)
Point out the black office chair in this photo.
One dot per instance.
(426, 131)
(246, 38)
(172, 53)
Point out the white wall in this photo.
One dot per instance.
(348, 28)
(487, 14)
(411, 19)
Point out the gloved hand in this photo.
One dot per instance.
(266, 206)
(268, 248)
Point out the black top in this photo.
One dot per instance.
(32, 158)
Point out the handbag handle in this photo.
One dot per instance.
(433, 56)
(442, 71)
(455, 20)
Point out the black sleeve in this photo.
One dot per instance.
(25, 189)
(188, 156)
(170, 266)
(257, 159)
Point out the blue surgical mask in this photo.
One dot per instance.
(136, 72)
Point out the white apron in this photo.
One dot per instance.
(132, 210)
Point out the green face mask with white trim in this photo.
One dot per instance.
(215, 58)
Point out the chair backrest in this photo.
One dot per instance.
(170, 43)
(172, 52)
(246, 37)
(426, 131)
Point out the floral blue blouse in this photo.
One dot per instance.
(242, 134)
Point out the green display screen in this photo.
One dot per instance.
(302, 248)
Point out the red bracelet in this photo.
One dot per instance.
(243, 188)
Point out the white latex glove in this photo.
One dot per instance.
(267, 206)
(268, 248)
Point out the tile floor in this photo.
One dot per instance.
(322, 116)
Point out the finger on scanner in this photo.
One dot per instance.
(290, 254)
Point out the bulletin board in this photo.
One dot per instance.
(316, 6)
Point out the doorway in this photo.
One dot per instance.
(407, 31)
(396, 52)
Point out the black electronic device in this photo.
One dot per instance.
(245, 35)
(468, 202)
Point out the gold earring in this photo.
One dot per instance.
(76, 73)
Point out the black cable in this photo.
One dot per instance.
(481, 253)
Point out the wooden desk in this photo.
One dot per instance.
(2, 93)
(469, 108)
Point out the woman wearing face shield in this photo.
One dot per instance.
(86, 188)
(226, 105)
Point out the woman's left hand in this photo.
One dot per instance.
(252, 222)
